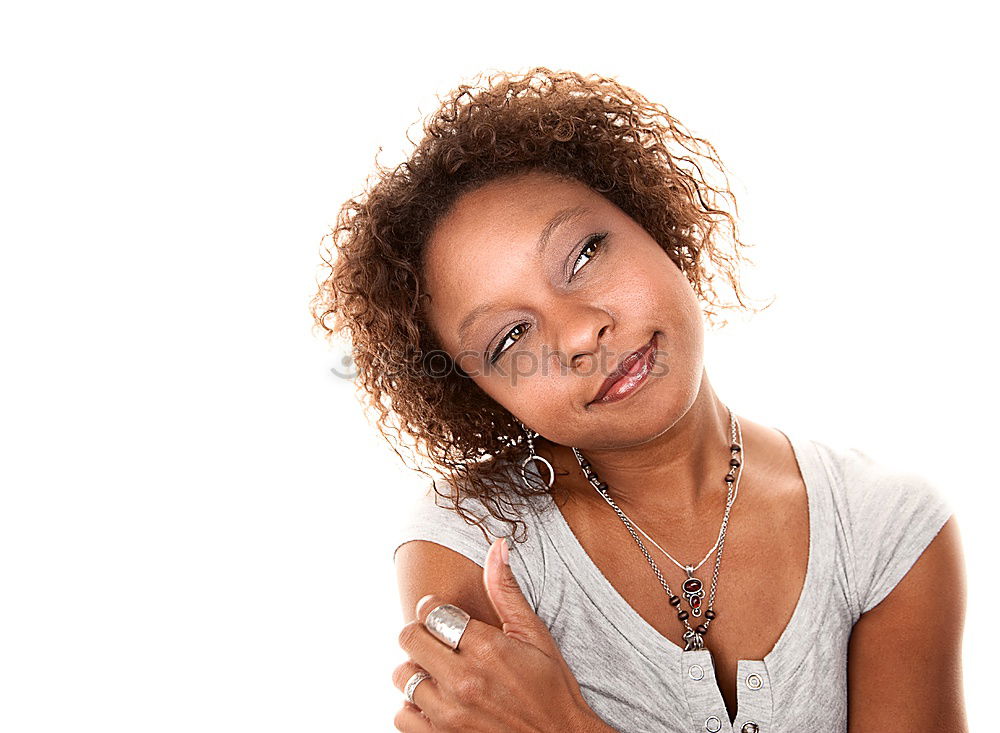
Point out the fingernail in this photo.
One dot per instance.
(504, 551)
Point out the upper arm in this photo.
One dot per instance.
(905, 654)
(424, 567)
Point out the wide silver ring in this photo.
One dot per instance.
(411, 684)
(447, 624)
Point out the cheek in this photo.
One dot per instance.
(661, 292)
(538, 394)
(651, 284)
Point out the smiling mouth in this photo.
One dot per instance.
(629, 375)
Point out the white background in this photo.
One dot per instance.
(195, 512)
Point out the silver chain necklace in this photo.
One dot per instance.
(693, 588)
(691, 568)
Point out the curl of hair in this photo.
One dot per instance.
(589, 128)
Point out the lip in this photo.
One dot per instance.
(629, 376)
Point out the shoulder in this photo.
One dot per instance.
(908, 648)
(433, 528)
(887, 516)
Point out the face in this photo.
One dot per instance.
(539, 288)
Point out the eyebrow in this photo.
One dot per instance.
(558, 219)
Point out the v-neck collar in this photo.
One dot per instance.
(649, 642)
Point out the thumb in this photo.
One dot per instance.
(519, 619)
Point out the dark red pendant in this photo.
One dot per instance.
(694, 592)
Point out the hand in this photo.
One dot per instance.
(511, 680)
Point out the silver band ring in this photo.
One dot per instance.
(411, 684)
(447, 624)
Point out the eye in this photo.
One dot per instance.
(589, 250)
(509, 335)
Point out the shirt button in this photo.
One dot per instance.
(713, 725)
(754, 682)
(696, 671)
(750, 727)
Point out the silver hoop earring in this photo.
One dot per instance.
(534, 457)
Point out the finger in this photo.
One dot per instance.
(433, 655)
(518, 618)
(479, 639)
(427, 604)
(409, 719)
(403, 672)
(426, 695)
(481, 644)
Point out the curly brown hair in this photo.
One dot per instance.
(588, 128)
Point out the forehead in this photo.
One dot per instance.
(487, 242)
(505, 208)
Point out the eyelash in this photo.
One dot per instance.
(593, 240)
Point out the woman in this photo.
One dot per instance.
(525, 297)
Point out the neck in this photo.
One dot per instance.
(684, 466)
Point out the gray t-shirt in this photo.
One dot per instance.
(867, 526)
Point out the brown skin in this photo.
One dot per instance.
(577, 330)
(590, 129)
(661, 449)
(481, 685)
(904, 668)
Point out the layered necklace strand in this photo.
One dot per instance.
(692, 588)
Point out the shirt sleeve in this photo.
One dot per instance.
(434, 519)
(894, 517)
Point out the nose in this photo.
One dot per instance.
(581, 330)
